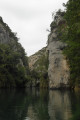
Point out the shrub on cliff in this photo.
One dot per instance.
(14, 69)
(11, 74)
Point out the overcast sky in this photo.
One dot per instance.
(30, 19)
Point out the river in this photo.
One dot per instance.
(34, 104)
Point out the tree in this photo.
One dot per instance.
(72, 17)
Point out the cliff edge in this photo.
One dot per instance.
(58, 70)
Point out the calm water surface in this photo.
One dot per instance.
(39, 105)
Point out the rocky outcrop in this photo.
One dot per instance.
(4, 36)
(58, 70)
(38, 64)
(57, 65)
(14, 69)
(7, 37)
(37, 58)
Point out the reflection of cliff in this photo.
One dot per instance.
(33, 104)
(24, 105)
(59, 105)
(31, 113)
(38, 109)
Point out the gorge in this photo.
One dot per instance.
(56, 66)
(45, 85)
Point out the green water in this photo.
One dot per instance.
(39, 105)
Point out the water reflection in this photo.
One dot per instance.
(38, 109)
(24, 105)
(59, 105)
(13, 105)
(39, 105)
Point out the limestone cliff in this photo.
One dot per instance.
(57, 66)
(36, 61)
(38, 64)
(58, 70)
(14, 67)
(8, 37)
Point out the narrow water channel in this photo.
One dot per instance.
(32, 104)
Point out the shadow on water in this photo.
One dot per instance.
(23, 105)
(32, 104)
(75, 102)
(13, 105)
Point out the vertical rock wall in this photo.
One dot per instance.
(4, 36)
(58, 70)
(8, 37)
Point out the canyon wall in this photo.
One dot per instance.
(14, 69)
(58, 70)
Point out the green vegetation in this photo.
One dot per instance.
(14, 69)
(43, 68)
(12, 73)
(72, 17)
(75, 105)
(69, 32)
(39, 74)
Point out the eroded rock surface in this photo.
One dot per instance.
(58, 70)
(37, 60)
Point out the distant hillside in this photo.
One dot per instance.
(38, 63)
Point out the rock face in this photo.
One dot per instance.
(4, 36)
(38, 64)
(7, 37)
(36, 60)
(58, 70)
(14, 69)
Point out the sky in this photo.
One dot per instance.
(30, 19)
